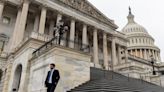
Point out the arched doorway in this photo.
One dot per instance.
(17, 78)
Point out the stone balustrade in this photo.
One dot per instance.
(39, 36)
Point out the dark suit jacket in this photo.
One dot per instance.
(55, 77)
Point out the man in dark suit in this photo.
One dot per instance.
(52, 78)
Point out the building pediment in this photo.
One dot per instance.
(86, 7)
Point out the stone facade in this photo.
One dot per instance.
(26, 25)
(74, 69)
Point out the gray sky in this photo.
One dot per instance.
(148, 13)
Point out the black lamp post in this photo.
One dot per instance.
(60, 29)
(153, 62)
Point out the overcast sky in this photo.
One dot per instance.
(148, 13)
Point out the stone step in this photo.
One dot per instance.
(104, 82)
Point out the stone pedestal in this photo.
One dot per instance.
(74, 69)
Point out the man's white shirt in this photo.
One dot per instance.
(51, 73)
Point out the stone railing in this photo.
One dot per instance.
(37, 36)
(61, 42)
(3, 54)
(42, 37)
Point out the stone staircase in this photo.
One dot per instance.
(108, 81)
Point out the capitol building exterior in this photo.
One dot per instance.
(27, 45)
(140, 44)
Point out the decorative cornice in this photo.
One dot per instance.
(85, 7)
(25, 1)
(144, 47)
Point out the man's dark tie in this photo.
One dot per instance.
(49, 74)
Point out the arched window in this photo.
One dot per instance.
(17, 77)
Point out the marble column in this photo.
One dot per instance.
(105, 51)
(22, 23)
(119, 54)
(158, 56)
(126, 55)
(136, 54)
(153, 54)
(131, 51)
(145, 54)
(51, 27)
(114, 62)
(36, 23)
(72, 34)
(42, 20)
(84, 35)
(15, 32)
(149, 53)
(1, 8)
(141, 54)
(95, 48)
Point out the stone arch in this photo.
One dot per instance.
(17, 78)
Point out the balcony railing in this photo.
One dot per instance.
(42, 37)
(64, 43)
(34, 35)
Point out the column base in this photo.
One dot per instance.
(97, 66)
(107, 68)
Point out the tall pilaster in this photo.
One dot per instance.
(42, 20)
(95, 48)
(113, 53)
(1, 8)
(72, 34)
(105, 51)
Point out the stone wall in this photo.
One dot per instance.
(162, 80)
(74, 68)
(2, 67)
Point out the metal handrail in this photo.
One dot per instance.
(53, 41)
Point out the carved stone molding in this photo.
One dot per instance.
(87, 8)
